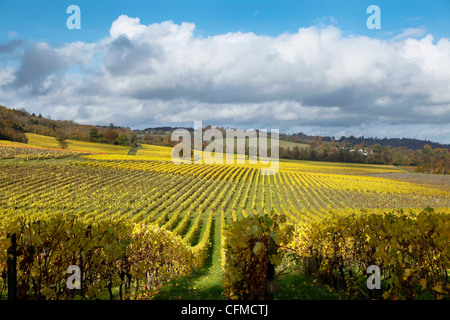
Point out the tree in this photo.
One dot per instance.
(314, 143)
(93, 134)
(377, 148)
(121, 139)
(147, 138)
(61, 137)
(133, 139)
(101, 138)
(79, 135)
(364, 145)
(110, 135)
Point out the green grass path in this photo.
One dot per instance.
(206, 284)
(134, 150)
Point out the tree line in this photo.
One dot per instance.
(15, 123)
(427, 159)
(430, 157)
(414, 144)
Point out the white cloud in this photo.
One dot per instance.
(162, 73)
(12, 34)
(125, 25)
(410, 33)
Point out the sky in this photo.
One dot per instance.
(309, 66)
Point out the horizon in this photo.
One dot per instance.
(257, 129)
(297, 66)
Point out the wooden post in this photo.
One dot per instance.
(12, 268)
(111, 296)
(272, 249)
(82, 274)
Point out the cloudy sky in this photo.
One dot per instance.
(310, 66)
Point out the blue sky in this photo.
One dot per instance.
(44, 20)
(310, 66)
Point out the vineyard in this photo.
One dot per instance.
(193, 203)
(20, 152)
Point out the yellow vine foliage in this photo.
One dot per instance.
(138, 258)
(412, 249)
(251, 246)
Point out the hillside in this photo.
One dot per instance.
(422, 155)
(15, 123)
(11, 125)
(410, 143)
(302, 140)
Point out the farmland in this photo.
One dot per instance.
(194, 202)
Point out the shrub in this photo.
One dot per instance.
(412, 251)
(136, 258)
(252, 250)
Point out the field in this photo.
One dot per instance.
(195, 202)
(78, 146)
